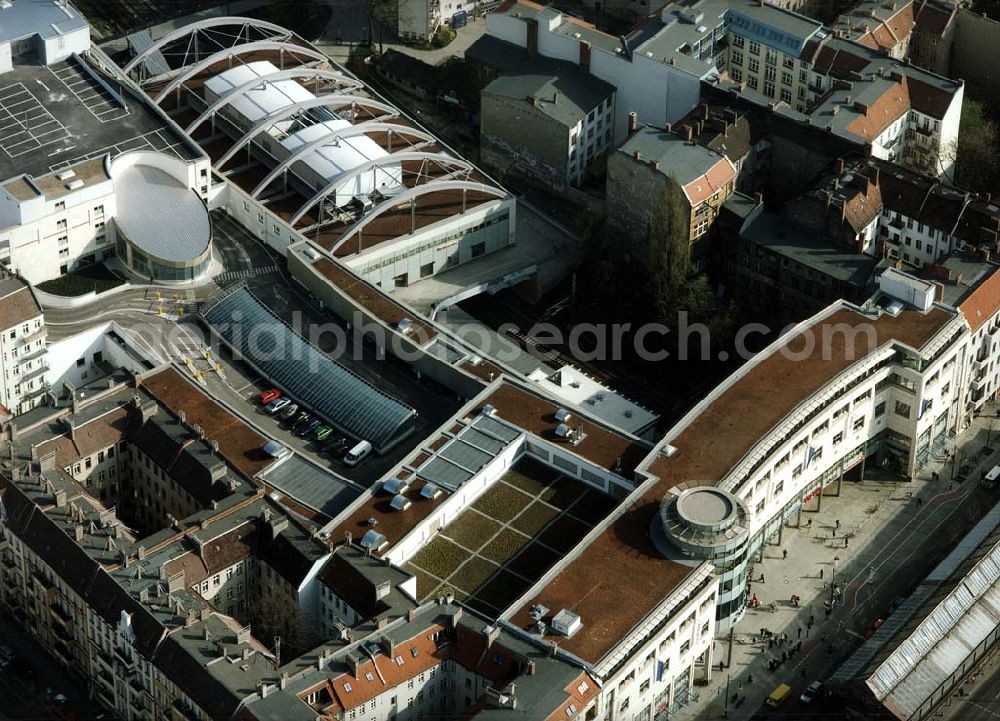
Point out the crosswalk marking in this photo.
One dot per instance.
(248, 273)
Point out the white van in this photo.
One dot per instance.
(990, 478)
(357, 454)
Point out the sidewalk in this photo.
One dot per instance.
(873, 542)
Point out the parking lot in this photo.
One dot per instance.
(91, 94)
(518, 529)
(26, 126)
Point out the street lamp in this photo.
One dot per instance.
(833, 578)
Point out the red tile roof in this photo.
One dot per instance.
(983, 302)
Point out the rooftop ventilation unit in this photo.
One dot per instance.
(489, 410)
(563, 415)
(404, 326)
(563, 431)
(400, 503)
(430, 491)
(566, 622)
(374, 541)
(74, 184)
(395, 486)
(894, 308)
(66, 174)
(538, 612)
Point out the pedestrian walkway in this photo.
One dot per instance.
(821, 590)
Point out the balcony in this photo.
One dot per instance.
(32, 337)
(60, 614)
(126, 658)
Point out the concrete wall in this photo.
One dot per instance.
(633, 191)
(516, 135)
(976, 51)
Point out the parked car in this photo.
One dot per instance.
(302, 417)
(323, 432)
(336, 446)
(358, 453)
(811, 692)
(289, 412)
(277, 404)
(307, 426)
(271, 394)
(875, 626)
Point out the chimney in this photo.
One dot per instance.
(532, 46)
(873, 176)
(555, 97)
(585, 56)
(758, 197)
(411, 615)
(637, 155)
(633, 122)
(704, 111)
(839, 168)
(689, 135)
(669, 127)
(655, 165)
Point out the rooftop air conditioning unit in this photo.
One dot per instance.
(66, 174)
(74, 184)
(566, 622)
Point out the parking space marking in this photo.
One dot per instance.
(91, 94)
(25, 125)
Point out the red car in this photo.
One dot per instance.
(272, 394)
(875, 626)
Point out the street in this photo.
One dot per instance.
(875, 541)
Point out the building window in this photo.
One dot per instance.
(902, 409)
(786, 95)
(754, 47)
(754, 65)
(736, 74)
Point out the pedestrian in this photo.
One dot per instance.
(834, 532)
(798, 646)
(749, 678)
(812, 619)
(837, 523)
(802, 673)
(920, 501)
(762, 578)
(784, 554)
(845, 541)
(784, 638)
(784, 656)
(762, 631)
(821, 574)
(770, 643)
(799, 632)
(809, 523)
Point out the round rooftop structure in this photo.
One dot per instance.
(163, 227)
(708, 523)
(707, 508)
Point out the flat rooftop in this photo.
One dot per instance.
(52, 118)
(45, 19)
(634, 576)
(810, 248)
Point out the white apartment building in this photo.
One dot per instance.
(57, 189)
(22, 342)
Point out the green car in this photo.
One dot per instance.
(323, 432)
